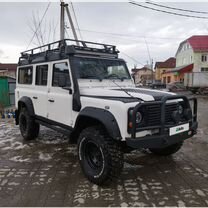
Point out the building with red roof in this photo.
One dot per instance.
(193, 50)
(191, 56)
(163, 66)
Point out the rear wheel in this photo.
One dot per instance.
(100, 157)
(28, 127)
(167, 150)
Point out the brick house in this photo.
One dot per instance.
(8, 70)
(162, 67)
(143, 75)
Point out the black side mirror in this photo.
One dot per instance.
(62, 80)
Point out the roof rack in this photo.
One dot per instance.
(63, 48)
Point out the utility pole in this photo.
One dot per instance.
(65, 7)
(62, 21)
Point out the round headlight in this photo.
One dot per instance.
(138, 117)
(180, 109)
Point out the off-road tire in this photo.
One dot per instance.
(167, 150)
(28, 127)
(109, 150)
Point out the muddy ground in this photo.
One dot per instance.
(45, 172)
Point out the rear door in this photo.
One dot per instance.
(59, 99)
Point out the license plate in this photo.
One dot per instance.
(179, 129)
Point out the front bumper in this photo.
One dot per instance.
(162, 139)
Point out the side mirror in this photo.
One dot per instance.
(62, 80)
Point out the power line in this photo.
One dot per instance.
(76, 21)
(174, 8)
(35, 33)
(167, 12)
(132, 58)
(127, 35)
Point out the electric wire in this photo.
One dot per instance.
(44, 14)
(76, 21)
(133, 59)
(174, 8)
(167, 12)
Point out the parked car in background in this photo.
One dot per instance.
(175, 86)
(157, 84)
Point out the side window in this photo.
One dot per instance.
(41, 75)
(60, 69)
(25, 75)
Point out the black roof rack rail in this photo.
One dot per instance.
(62, 48)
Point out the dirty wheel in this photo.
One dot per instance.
(28, 128)
(100, 157)
(167, 150)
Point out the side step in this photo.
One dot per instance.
(57, 128)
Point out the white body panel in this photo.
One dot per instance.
(61, 109)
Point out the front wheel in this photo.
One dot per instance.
(167, 150)
(100, 157)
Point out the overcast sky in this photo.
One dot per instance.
(132, 29)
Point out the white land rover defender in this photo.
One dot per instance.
(86, 92)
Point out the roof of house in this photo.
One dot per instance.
(181, 69)
(9, 67)
(199, 43)
(169, 63)
(141, 69)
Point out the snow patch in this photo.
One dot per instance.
(45, 156)
(19, 159)
(200, 193)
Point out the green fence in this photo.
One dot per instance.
(4, 92)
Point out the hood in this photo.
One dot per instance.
(128, 94)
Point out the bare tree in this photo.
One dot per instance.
(44, 31)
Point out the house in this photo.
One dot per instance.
(191, 56)
(143, 75)
(8, 70)
(7, 91)
(162, 67)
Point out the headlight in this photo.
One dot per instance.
(180, 109)
(138, 117)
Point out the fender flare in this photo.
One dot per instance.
(103, 116)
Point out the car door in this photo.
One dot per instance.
(59, 98)
(41, 90)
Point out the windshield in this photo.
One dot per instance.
(94, 68)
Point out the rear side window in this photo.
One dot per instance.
(25, 75)
(41, 75)
(58, 70)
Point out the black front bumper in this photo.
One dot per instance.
(162, 139)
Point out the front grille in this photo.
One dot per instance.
(154, 114)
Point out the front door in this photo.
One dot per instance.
(60, 99)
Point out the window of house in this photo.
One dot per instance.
(169, 79)
(25, 75)
(164, 80)
(204, 69)
(41, 75)
(190, 59)
(204, 58)
(60, 69)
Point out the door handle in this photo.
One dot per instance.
(35, 98)
(51, 101)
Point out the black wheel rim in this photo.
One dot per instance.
(23, 122)
(94, 156)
